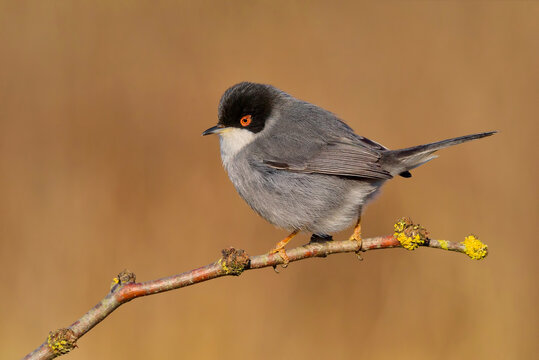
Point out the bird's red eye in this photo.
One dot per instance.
(245, 120)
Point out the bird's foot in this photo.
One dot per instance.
(282, 254)
(279, 248)
(356, 235)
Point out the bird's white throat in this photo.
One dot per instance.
(232, 140)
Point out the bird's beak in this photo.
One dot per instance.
(214, 130)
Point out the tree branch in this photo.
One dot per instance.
(234, 262)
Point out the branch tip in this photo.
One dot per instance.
(474, 248)
(234, 261)
(62, 341)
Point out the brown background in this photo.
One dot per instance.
(103, 167)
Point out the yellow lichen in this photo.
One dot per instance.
(410, 235)
(234, 261)
(115, 281)
(474, 248)
(444, 244)
(409, 243)
(61, 341)
(399, 226)
(223, 266)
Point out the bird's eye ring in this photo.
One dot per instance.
(245, 120)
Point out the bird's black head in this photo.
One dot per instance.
(246, 106)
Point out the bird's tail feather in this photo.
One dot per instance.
(402, 160)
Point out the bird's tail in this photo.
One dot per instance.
(400, 162)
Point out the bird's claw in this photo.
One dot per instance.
(356, 236)
(282, 254)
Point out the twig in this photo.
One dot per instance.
(234, 262)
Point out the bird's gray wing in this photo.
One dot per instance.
(339, 158)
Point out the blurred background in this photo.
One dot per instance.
(102, 167)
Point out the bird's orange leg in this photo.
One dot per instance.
(279, 248)
(356, 235)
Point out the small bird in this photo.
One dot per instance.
(302, 168)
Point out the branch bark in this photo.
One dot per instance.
(233, 262)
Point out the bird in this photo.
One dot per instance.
(300, 167)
